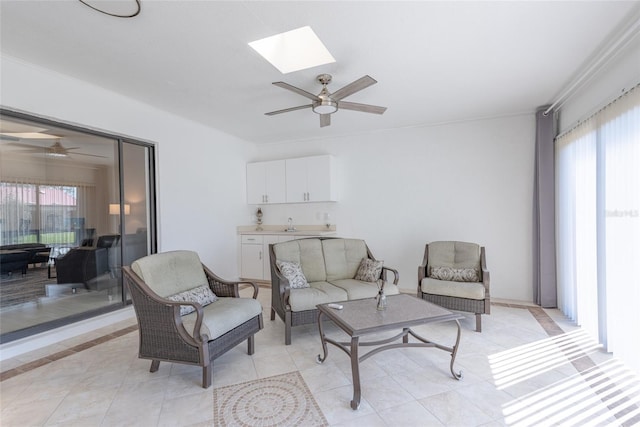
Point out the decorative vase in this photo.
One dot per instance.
(382, 298)
(259, 219)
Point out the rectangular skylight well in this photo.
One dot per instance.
(293, 50)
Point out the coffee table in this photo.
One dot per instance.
(360, 317)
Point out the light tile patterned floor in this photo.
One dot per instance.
(528, 367)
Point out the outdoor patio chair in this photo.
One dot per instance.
(187, 314)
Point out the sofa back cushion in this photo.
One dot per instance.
(170, 273)
(454, 254)
(307, 253)
(342, 257)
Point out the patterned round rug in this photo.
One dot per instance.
(281, 400)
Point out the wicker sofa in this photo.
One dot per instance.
(329, 265)
(158, 284)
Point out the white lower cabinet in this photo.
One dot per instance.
(251, 257)
(254, 254)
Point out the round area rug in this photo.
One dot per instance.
(282, 400)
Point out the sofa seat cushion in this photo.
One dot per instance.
(307, 253)
(342, 257)
(223, 315)
(469, 290)
(358, 289)
(316, 293)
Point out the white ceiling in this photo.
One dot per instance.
(435, 62)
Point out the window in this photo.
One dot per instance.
(63, 236)
(598, 218)
(50, 214)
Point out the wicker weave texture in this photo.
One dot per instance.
(162, 336)
(453, 303)
(159, 338)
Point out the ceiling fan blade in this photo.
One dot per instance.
(325, 120)
(19, 144)
(296, 90)
(365, 108)
(88, 155)
(353, 87)
(8, 138)
(286, 110)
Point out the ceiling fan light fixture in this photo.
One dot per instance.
(56, 154)
(327, 106)
(57, 150)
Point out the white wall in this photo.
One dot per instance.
(403, 188)
(201, 175)
(398, 189)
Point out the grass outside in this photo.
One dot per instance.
(66, 237)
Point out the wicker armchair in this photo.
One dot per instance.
(461, 279)
(196, 338)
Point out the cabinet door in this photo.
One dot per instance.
(296, 180)
(320, 185)
(275, 181)
(266, 265)
(251, 265)
(256, 189)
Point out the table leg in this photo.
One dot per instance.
(325, 352)
(355, 372)
(453, 354)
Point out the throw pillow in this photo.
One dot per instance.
(455, 274)
(369, 270)
(293, 273)
(202, 294)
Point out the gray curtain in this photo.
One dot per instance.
(544, 246)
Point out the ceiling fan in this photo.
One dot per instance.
(54, 150)
(326, 103)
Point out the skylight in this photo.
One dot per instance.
(293, 50)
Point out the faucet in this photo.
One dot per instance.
(290, 227)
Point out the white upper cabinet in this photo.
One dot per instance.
(307, 179)
(266, 182)
(310, 179)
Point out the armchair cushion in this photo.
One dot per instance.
(470, 274)
(369, 270)
(293, 273)
(201, 294)
(454, 254)
(469, 290)
(170, 273)
(223, 316)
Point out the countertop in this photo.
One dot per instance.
(301, 230)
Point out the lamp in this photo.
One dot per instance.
(114, 209)
(326, 105)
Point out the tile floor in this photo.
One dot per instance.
(528, 367)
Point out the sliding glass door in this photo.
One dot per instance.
(75, 206)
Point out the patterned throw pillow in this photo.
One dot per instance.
(369, 270)
(455, 274)
(202, 294)
(293, 272)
